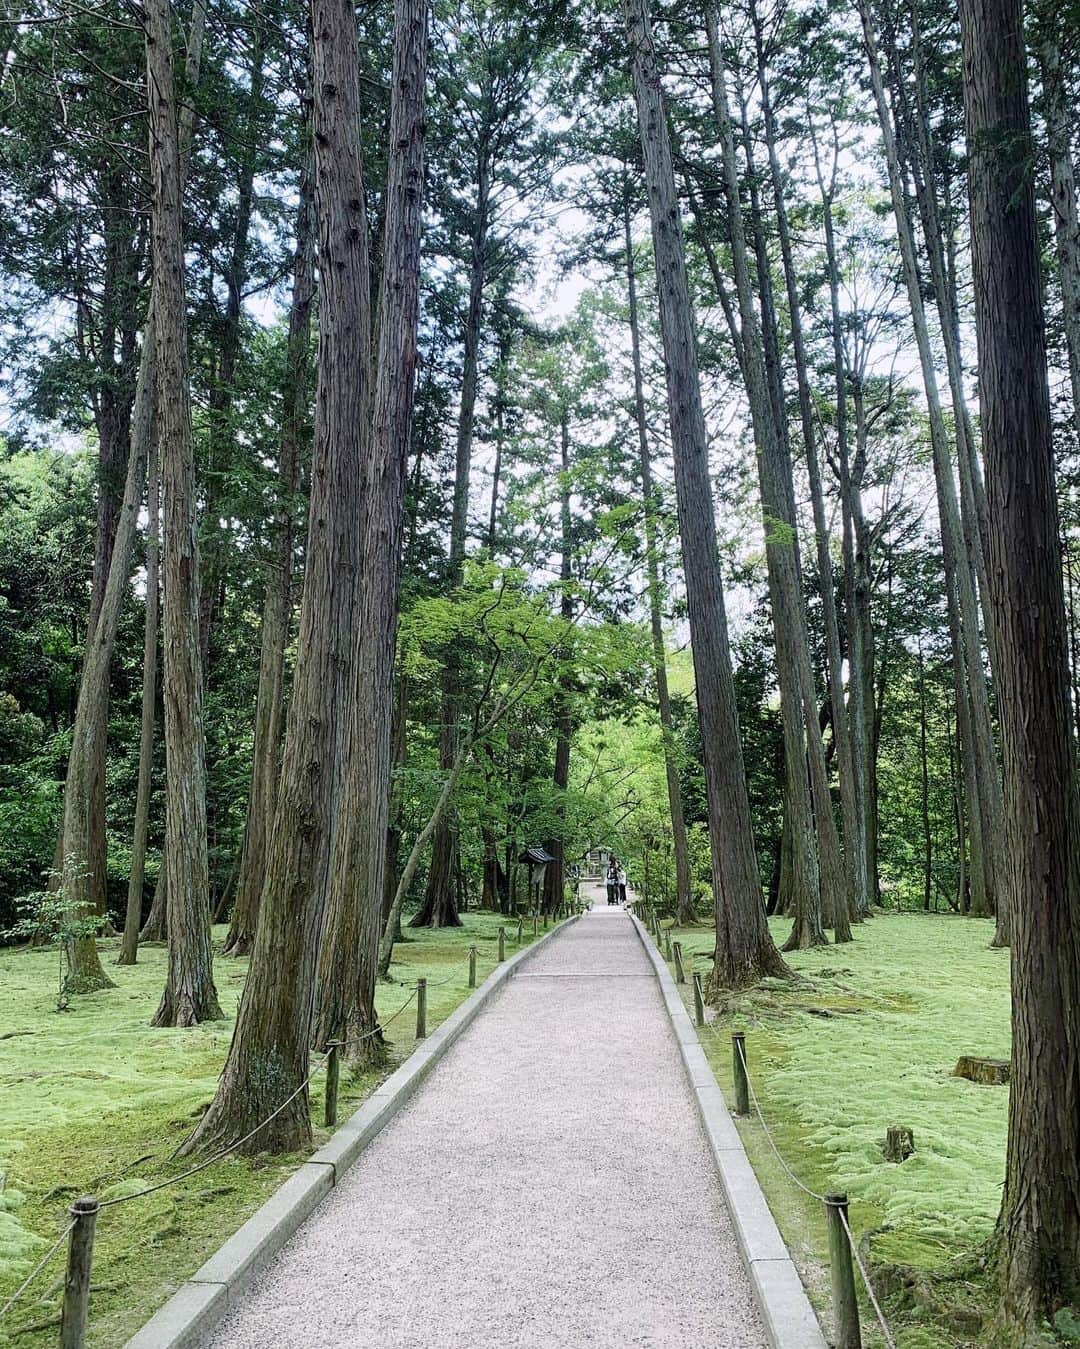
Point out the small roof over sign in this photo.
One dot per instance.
(536, 856)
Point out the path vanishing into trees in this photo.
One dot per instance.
(548, 1185)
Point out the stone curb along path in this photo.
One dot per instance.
(789, 1318)
(200, 1303)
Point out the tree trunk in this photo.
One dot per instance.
(277, 601)
(964, 621)
(502, 373)
(781, 548)
(133, 918)
(1060, 122)
(1038, 1231)
(112, 405)
(156, 926)
(855, 590)
(430, 830)
(439, 908)
(922, 161)
(190, 995)
(251, 135)
(80, 851)
(555, 873)
(924, 793)
(744, 947)
(267, 1067)
(347, 965)
(684, 899)
(836, 900)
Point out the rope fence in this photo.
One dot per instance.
(79, 1233)
(843, 1247)
(36, 1270)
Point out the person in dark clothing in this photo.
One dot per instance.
(612, 881)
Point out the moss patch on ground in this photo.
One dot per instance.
(94, 1101)
(868, 1038)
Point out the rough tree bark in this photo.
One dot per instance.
(1038, 1231)
(267, 1067)
(1059, 129)
(744, 947)
(347, 964)
(277, 601)
(190, 995)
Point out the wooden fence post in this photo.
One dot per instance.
(699, 1000)
(845, 1303)
(472, 966)
(502, 944)
(421, 1008)
(680, 973)
(77, 1279)
(667, 943)
(333, 1073)
(738, 1067)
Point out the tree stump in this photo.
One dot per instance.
(899, 1143)
(989, 1072)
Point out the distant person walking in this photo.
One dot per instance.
(613, 881)
(622, 884)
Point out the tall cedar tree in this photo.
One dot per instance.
(354, 926)
(190, 995)
(277, 600)
(267, 1067)
(744, 947)
(1039, 1226)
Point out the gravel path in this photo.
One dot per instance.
(548, 1185)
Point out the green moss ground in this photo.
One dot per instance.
(867, 1039)
(93, 1101)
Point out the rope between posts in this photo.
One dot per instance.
(36, 1271)
(239, 1143)
(820, 1197)
(214, 1157)
(772, 1143)
(866, 1280)
(223, 1152)
(441, 983)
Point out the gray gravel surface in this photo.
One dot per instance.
(549, 1185)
